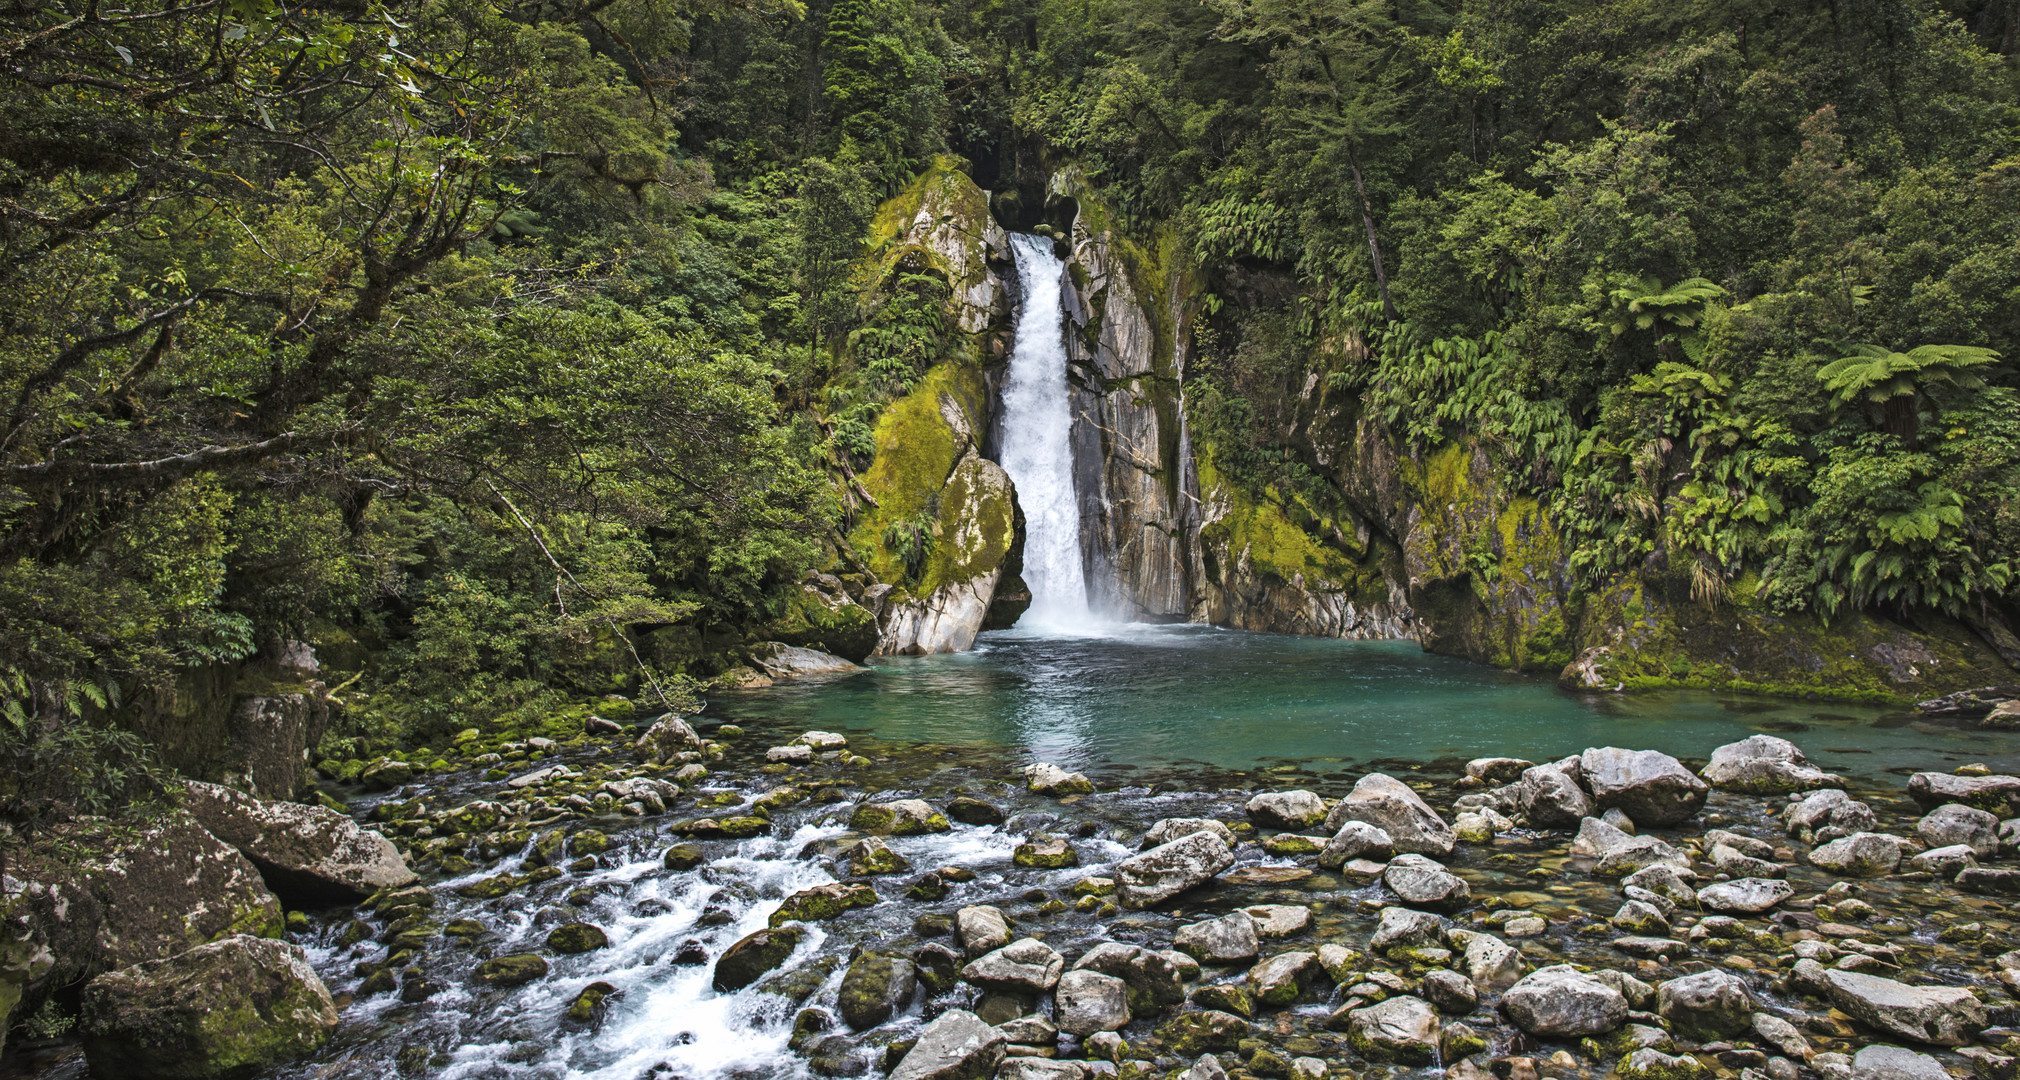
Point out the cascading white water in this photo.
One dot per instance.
(1037, 425)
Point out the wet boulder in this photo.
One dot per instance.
(972, 811)
(955, 1046)
(873, 856)
(667, 739)
(900, 817)
(755, 955)
(1163, 872)
(575, 938)
(1551, 796)
(1425, 883)
(1561, 1001)
(1153, 980)
(1650, 786)
(1291, 810)
(517, 969)
(1048, 779)
(1895, 1063)
(1027, 966)
(1765, 765)
(1648, 1063)
(1939, 1015)
(791, 754)
(1401, 1029)
(1395, 808)
(1491, 963)
(233, 1006)
(1826, 816)
(1280, 920)
(1450, 991)
(822, 902)
(1045, 853)
(1955, 823)
(1707, 1005)
(309, 856)
(1945, 862)
(1356, 840)
(1749, 896)
(1230, 939)
(1997, 794)
(1497, 770)
(981, 929)
(1859, 855)
(1088, 1001)
(1168, 829)
(874, 988)
(1402, 928)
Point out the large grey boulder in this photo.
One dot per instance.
(1401, 927)
(1089, 1001)
(1938, 1015)
(309, 856)
(1650, 786)
(1027, 966)
(1945, 862)
(1859, 855)
(1230, 939)
(231, 1007)
(1152, 978)
(1424, 883)
(1048, 779)
(1355, 840)
(666, 740)
(955, 1046)
(1958, 824)
(1765, 765)
(1998, 794)
(1163, 872)
(1561, 1001)
(1491, 963)
(1826, 816)
(1168, 829)
(1895, 1063)
(1708, 1005)
(1287, 809)
(981, 929)
(1395, 808)
(1402, 1029)
(1552, 797)
(1749, 896)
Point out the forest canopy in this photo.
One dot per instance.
(488, 336)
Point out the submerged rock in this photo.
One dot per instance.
(1765, 765)
(1395, 808)
(226, 1008)
(1163, 872)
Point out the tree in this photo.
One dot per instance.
(1899, 383)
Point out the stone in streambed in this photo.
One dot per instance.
(824, 902)
(1765, 765)
(1045, 853)
(1895, 1063)
(1230, 939)
(1280, 920)
(874, 988)
(1048, 779)
(1990, 881)
(308, 856)
(668, 737)
(1403, 928)
(981, 929)
(229, 1007)
(1497, 770)
(1747, 895)
(1650, 786)
(513, 970)
(1163, 872)
(1024, 966)
(1491, 963)
(1451, 992)
(1958, 824)
(1648, 1063)
(1191, 1033)
(1827, 815)
(1401, 1029)
(1088, 1001)
(1551, 796)
(1168, 829)
(1998, 794)
(1560, 1001)
(872, 856)
(1707, 1005)
(1859, 855)
(1424, 883)
(1291, 810)
(1941, 1015)
(684, 857)
(970, 811)
(577, 938)
(1153, 980)
(1356, 840)
(1225, 997)
(955, 1046)
(1395, 808)
(1282, 979)
(751, 957)
(900, 817)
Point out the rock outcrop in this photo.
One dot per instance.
(221, 1009)
(309, 856)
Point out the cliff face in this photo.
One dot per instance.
(1427, 547)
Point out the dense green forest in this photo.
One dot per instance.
(475, 339)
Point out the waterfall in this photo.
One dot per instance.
(1037, 423)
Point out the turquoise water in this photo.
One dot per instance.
(1176, 695)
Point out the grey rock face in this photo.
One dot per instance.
(1945, 862)
(956, 1046)
(1707, 1005)
(1998, 794)
(1287, 809)
(1230, 939)
(1939, 1015)
(1562, 1001)
(1395, 808)
(1551, 796)
(1026, 965)
(1451, 992)
(1748, 895)
(186, 1015)
(1859, 855)
(1491, 963)
(1765, 765)
(1830, 809)
(308, 855)
(1280, 979)
(1424, 883)
(1163, 872)
(1958, 824)
(1089, 1001)
(1652, 787)
(1400, 926)
(1355, 840)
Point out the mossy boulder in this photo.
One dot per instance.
(577, 938)
(227, 1008)
(831, 623)
(684, 857)
(823, 902)
(751, 957)
(515, 970)
(902, 817)
(872, 856)
(875, 987)
(588, 1005)
(1045, 853)
(589, 842)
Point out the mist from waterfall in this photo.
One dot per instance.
(1037, 452)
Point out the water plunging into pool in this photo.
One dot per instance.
(1037, 452)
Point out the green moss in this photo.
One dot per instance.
(810, 622)
(509, 970)
(1226, 997)
(917, 451)
(589, 842)
(823, 902)
(577, 938)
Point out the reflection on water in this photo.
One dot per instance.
(1137, 694)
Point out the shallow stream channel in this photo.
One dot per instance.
(1164, 722)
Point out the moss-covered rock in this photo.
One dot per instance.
(589, 842)
(684, 857)
(831, 623)
(751, 957)
(823, 902)
(576, 938)
(505, 971)
(226, 1008)
(588, 1005)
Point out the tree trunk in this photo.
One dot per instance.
(1374, 246)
